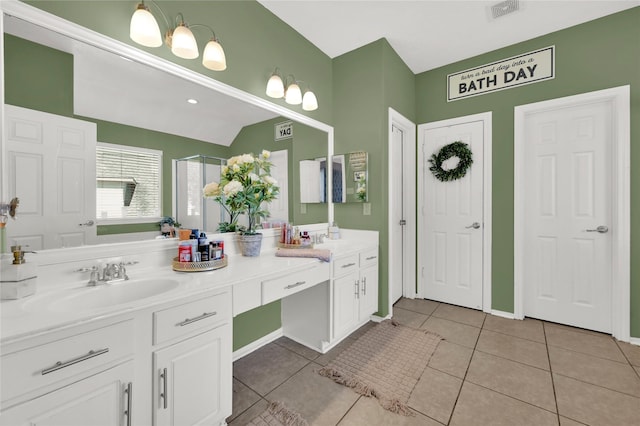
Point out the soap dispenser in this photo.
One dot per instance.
(334, 231)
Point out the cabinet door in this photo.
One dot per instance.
(99, 400)
(345, 304)
(192, 383)
(368, 291)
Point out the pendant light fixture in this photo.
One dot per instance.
(290, 91)
(293, 95)
(144, 30)
(275, 86)
(309, 101)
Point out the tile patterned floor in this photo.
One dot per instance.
(488, 371)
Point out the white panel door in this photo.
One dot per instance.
(279, 208)
(52, 170)
(453, 221)
(196, 389)
(397, 234)
(567, 265)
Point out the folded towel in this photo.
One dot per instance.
(322, 254)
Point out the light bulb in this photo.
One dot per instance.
(275, 87)
(144, 28)
(213, 56)
(293, 95)
(309, 101)
(183, 43)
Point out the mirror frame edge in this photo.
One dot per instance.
(55, 23)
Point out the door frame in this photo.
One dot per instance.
(486, 119)
(621, 231)
(409, 204)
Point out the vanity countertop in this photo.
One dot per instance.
(32, 315)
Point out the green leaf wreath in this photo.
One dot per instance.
(455, 149)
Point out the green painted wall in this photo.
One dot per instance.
(254, 40)
(29, 85)
(256, 323)
(596, 55)
(367, 81)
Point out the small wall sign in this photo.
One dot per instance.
(531, 67)
(283, 130)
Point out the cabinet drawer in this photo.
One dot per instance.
(369, 258)
(57, 361)
(247, 295)
(280, 287)
(345, 265)
(181, 320)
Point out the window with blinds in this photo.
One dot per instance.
(128, 183)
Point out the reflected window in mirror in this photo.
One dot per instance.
(128, 184)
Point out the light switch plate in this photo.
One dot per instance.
(303, 208)
(366, 209)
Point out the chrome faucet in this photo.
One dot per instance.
(111, 272)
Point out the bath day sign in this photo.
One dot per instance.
(531, 67)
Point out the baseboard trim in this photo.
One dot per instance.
(503, 314)
(634, 341)
(376, 318)
(257, 344)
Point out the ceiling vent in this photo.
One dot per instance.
(504, 8)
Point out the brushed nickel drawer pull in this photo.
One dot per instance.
(129, 410)
(299, 283)
(364, 286)
(348, 265)
(372, 257)
(59, 365)
(163, 395)
(357, 289)
(188, 321)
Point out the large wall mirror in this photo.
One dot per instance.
(130, 99)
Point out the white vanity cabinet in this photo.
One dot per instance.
(192, 381)
(368, 298)
(76, 378)
(355, 290)
(346, 293)
(99, 400)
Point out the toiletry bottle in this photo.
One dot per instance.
(334, 231)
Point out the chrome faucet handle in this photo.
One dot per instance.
(123, 271)
(93, 277)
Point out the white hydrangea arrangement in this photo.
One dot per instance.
(245, 184)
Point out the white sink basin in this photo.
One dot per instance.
(105, 295)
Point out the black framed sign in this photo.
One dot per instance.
(531, 67)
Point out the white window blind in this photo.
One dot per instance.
(128, 183)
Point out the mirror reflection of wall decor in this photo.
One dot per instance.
(193, 210)
(350, 177)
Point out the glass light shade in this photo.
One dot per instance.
(293, 95)
(183, 43)
(144, 28)
(275, 87)
(213, 56)
(309, 101)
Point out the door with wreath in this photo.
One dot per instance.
(451, 233)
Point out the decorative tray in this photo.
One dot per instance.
(295, 246)
(209, 265)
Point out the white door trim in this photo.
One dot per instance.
(409, 179)
(486, 118)
(621, 231)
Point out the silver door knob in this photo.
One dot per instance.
(474, 225)
(601, 229)
(88, 223)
